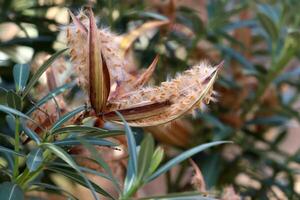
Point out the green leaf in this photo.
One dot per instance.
(150, 14)
(10, 191)
(156, 160)
(180, 196)
(40, 71)
(59, 152)
(211, 167)
(131, 145)
(87, 131)
(183, 156)
(50, 95)
(14, 112)
(93, 141)
(145, 156)
(34, 159)
(45, 186)
(238, 57)
(268, 25)
(6, 150)
(30, 133)
(79, 128)
(8, 138)
(98, 158)
(11, 122)
(14, 100)
(21, 74)
(130, 178)
(83, 169)
(79, 179)
(66, 117)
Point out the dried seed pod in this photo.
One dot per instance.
(183, 94)
(99, 80)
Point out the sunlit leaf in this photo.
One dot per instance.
(145, 156)
(156, 159)
(21, 74)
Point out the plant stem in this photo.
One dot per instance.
(28, 176)
(17, 148)
(131, 191)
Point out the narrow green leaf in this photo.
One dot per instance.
(50, 95)
(93, 141)
(79, 128)
(59, 152)
(30, 133)
(268, 25)
(83, 169)
(130, 178)
(131, 144)
(45, 186)
(66, 117)
(34, 159)
(145, 156)
(40, 71)
(156, 160)
(21, 74)
(79, 179)
(14, 112)
(11, 122)
(183, 156)
(8, 138)
(6, 150)
(98, 158)
(86, 131)
(10, 191)
(14, 100)
(180, 196)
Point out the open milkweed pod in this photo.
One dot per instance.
(98, 50)
(153, 106)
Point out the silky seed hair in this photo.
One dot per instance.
(77, 41)
(185, 93)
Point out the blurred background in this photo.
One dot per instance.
(257, 104)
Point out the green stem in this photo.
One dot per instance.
(131, 191)
(17, 148)
(27, 176)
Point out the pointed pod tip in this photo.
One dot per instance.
(220, 65)
(77, 22)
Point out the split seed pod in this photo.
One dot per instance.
(140, 106)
